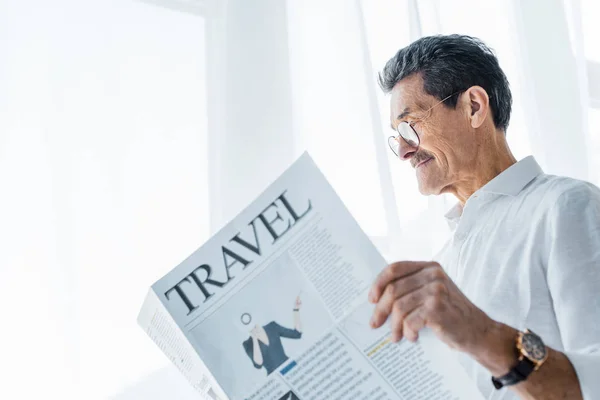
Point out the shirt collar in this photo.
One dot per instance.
(453, 215)
(509, 182)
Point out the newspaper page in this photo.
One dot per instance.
(274, 307)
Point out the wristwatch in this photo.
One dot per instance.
(532, 354)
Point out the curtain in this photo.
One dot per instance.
(333, 101)
(323, 81)
(129, 133)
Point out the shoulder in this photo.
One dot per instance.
(271, 325)
(566, 208)
(552, 193)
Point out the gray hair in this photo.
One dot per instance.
(451, 64)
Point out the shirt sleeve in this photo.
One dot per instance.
(286, 332)
(574, 280)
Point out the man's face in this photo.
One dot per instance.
(446, 152)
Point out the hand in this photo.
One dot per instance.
(255, 332)
(420, 294)
(298, 303)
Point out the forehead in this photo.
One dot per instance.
(408, 96)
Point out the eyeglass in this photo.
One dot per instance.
(408, 133)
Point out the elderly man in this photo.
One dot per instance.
(516, 289)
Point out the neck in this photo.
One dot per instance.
(492, 159)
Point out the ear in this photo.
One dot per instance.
(478, 105)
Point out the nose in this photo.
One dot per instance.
(405, 150)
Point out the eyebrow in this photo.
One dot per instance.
(400, 116)
(403, 113)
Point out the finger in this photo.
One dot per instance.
(396, 326)
(383, 308)
(413, 323)
(429, 309)
(392, 272)
(391, 293)
(405, 305)
(402, 287)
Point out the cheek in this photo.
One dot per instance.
(438, 145)
(451, 151)
(451, 147)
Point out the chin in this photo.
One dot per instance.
(428, 188)
(425, 192)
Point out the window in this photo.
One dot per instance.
(104, 146)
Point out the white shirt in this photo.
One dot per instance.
(526, 250)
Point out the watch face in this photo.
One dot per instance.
(533, 347)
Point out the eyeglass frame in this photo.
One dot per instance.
(410, 125)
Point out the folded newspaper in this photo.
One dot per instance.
(274, 307)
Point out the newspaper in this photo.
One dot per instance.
(274, 307)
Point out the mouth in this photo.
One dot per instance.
(423, 162)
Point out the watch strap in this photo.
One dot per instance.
(519, 373)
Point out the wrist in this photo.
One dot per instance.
(496, 351)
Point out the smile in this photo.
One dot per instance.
(423, 162)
